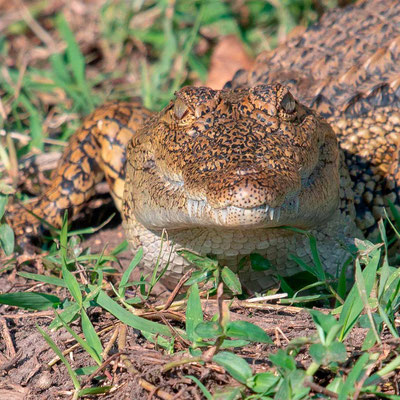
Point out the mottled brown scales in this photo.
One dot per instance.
(218, 169)
(347, 67)
(84, 163)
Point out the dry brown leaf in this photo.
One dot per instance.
(229, 56)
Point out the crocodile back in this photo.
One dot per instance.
(347, 67)
(348, 62)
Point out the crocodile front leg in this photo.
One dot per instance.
(95, 151)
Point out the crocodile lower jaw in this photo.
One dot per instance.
(233, 216)
(198, 213)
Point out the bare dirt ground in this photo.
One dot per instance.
(25, 373)
(27, 370)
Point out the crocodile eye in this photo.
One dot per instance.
(288, 103)
(180, 109)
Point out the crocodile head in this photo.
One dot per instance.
(248, 158)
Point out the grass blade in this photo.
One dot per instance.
(3, 202)
(353, 376)
(81, 341)
(194, 313)
(130, 319)
(51, 280)
(204, 390)
(125, 277)
(60, 355)
(75, 58)
(30, 300)
(234, 365)
(353, 305)
(7, 240)
(91, 336)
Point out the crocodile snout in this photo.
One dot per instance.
(251, 187)
(234, 158)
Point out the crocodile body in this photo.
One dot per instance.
(347, 68)
(222, 172)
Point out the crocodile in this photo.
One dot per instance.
(308, 139)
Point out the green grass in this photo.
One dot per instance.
(372, 303)
(168, 44)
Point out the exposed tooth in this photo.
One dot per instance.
(224, 215)
(278, 214)
(195, 206)
(216, 215)
(297, 204)
(191, 208)
(196, 209)
(201, 206)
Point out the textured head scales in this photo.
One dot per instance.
(234, 158)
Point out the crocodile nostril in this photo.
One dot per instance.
(288, 103)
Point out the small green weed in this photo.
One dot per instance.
(371, 303)
(6, 233)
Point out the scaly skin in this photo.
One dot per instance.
(223, 171)
(347, 67)
(95, 151)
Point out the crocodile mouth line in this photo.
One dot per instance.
(198, 208)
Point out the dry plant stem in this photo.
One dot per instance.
(21, 73)
(277, 329)
(359, 384)
(223, 311)
(181, 304)
(267, 298)
(101, 367)
(3, 113)
(209, 354)
(25, 139)
(40, 314)
(320, 389)
(262, 306)
(35, 287)
(122, 337)
(220, 300)
(111, 342)
(133, 371)
(164, 320)
(155, 315)
(80, 270)
(65, 393)
(183, 361)
(36, 28)
(75, 346)
(7, 338)
(13, 159)
(153, 389)
(152, 393)
(181, 282)
(42, 162)
(121, 346)
(10, 363)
